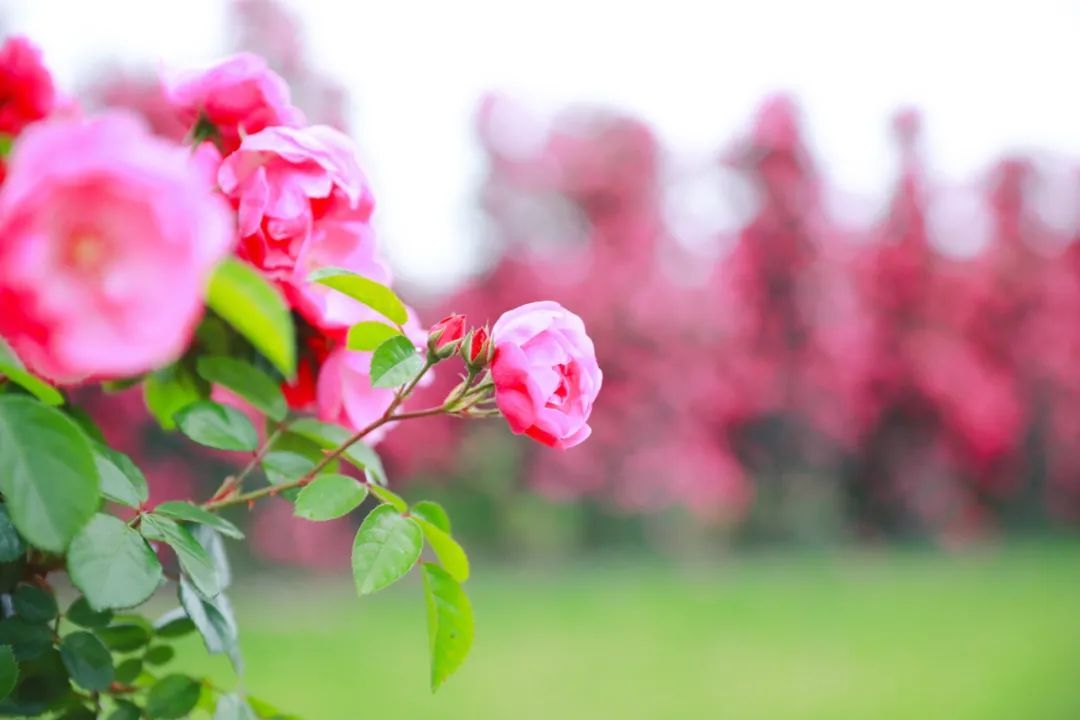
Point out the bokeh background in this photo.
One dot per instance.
(829, 256)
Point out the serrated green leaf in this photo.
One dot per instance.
(248, 302)
(124, 637)
(395, 363)
(121, 481)
(9, 671)
(193, 557)
(218, 426)
(80, 613)
(213, 618)
(367, 336)
(174, 696)
(47, 472)
(34, 604)
(386, 547)
(248, 382)
(170, 390)
(112, 565)
(11, 545)
(388, 496)
(446, 548)
(43, 683)
(375, 295)
(450, 623)
(330, 496)
(433, 512)
(88, 661)
(187, 512)
(28, 640)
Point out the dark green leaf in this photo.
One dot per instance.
(233, 707)
(376, 296)
(218, 426)
(128, 670)
(87, 660)
(330, 496)
(366, 336)
(124, 637)
(28, 640)
(125, 711)
(174, 624)
(47, 472)
(330, 437)
(394, 363)
(181, 510)
(9, 671)
(121, 481)
(43, 683)
(174, 696)
(159, 655)
(450, 623)
(450, 554)
(248, 382)
(11, 545)
(112, 564)
(433, 512)
(170, 390)
(34, 604)
(194, 559)
(386, 547)
(248, 302)
(80, 613)
(389, 497)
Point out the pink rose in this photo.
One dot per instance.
(545, 373)
(26, 88)
(108, 237)
(284, 182)
(240, 95)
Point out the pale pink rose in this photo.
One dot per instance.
(286, 181)
(545, 373)
(240, 95)
(107, 239)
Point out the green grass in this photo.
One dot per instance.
(994, 634)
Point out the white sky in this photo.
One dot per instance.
(989, 76)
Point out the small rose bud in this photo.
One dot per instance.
(477, 349)
(445, 335)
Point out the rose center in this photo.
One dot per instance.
(86, 252)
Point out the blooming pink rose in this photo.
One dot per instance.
(26, 88)
(545, 373)
(107, 238)
(240, 95)
(284, 182)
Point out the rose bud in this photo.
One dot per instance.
(445, 336)
(476, 350)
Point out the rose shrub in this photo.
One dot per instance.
(237, 282)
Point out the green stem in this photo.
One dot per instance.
(234, 481)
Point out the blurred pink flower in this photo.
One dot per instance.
(240, 95)
(545, 373)
(345, 395)
(109, 235)
(26, 87)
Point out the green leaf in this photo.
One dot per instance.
(450, 623)
(330, 496)
(125, 711)
(174, 624)
(34, 385)
(214, 619)
(124, 637)
(248, 302)
(34, 604)
(233, 707)
(367, 336)
(218, 426)
(174, 696)
(121, 481)
(375, 295)
(329, 437)
(248, 382)
(395, 363)
(128, 670)
(87, 660)
(450, 553)
(194, 559)
(9, 671)
(386, 547)
(27, 640)
(112, 565)
(433, 512)
(215, 548)
(388, 496)
(47, 472)
(43, 683)
(181, 510)
(11, 545)
(170, 390)
(159, 655)
(80, 613)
